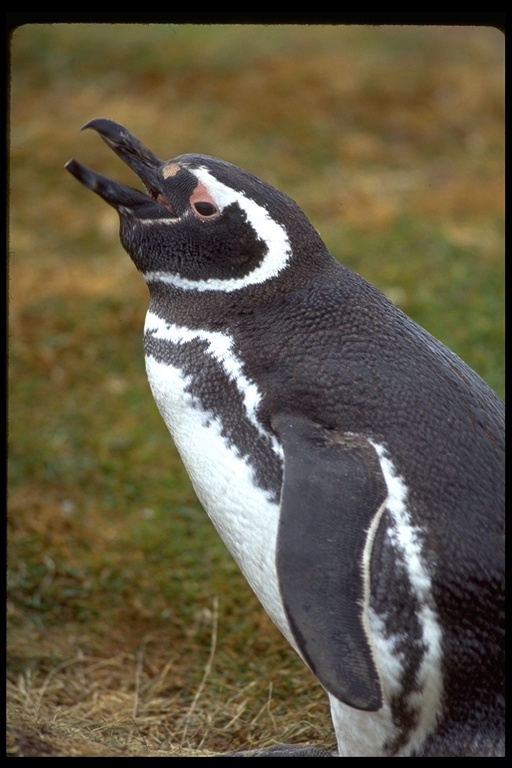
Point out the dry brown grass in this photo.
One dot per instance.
(132, 703)
(130, 632)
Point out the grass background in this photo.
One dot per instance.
(130, 631)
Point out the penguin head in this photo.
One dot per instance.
(202, 223)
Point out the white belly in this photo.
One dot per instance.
(245, 517)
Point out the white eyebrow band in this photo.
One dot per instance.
(266, 229)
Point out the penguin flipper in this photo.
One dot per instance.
(332, 496)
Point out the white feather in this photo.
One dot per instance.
(269, 231)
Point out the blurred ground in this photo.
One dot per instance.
(130, 631)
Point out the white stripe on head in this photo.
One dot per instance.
(266, 229)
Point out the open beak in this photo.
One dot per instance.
(141, 160)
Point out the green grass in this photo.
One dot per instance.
(391, 140)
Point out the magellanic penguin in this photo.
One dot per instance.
(352, 464)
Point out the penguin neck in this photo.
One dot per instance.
(217, 309)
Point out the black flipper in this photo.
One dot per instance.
(332, 496)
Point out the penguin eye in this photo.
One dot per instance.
(205, 209)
